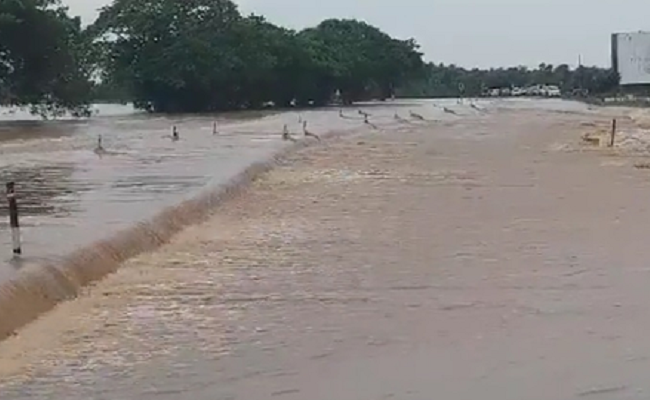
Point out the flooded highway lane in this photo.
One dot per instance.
(490, 255)
(70, 197)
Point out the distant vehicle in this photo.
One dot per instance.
(534, 90)
(517, 91)
(553, 91)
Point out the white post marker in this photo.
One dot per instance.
(13, 219)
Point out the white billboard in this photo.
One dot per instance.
(631, 57)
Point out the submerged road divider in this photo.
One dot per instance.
(13, 219)
(416, 116)
(367, 121)
(613, 133)
(308, 133)
(38, 288)
(286, 135)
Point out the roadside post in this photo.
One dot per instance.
(13, 219)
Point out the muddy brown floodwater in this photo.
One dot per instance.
(483, 255)
(69, 196)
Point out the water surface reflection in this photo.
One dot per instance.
(69, 196)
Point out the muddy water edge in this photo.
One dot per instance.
(70, 196)
(490, 256)
(128, 200)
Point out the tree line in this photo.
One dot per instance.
(42, 62)
(204, 55)
(439, 80)
(190, 56)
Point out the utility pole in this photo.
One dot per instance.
(580, 77)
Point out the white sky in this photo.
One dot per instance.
(470, 33)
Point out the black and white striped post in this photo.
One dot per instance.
(13, 218)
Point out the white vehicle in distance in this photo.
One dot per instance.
(517, 91)
(552, 91)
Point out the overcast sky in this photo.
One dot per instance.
(470, 33)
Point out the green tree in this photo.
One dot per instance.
(276, 65)
(42, 58)
(171, 55)
(362, 59)
(441, 80)
(203, 55)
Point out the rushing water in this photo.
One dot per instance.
(69, 196)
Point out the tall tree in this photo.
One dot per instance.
(203, 55)
(42, 58)
(363, 59)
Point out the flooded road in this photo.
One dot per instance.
(70, 197)
(489, 254)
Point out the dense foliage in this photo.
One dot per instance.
(42, 58)
(203, 55)
(438, 80)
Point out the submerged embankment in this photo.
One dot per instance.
(142, 189)
(71, 197)
(490, 255)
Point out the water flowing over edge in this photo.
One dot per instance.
(37, 289)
